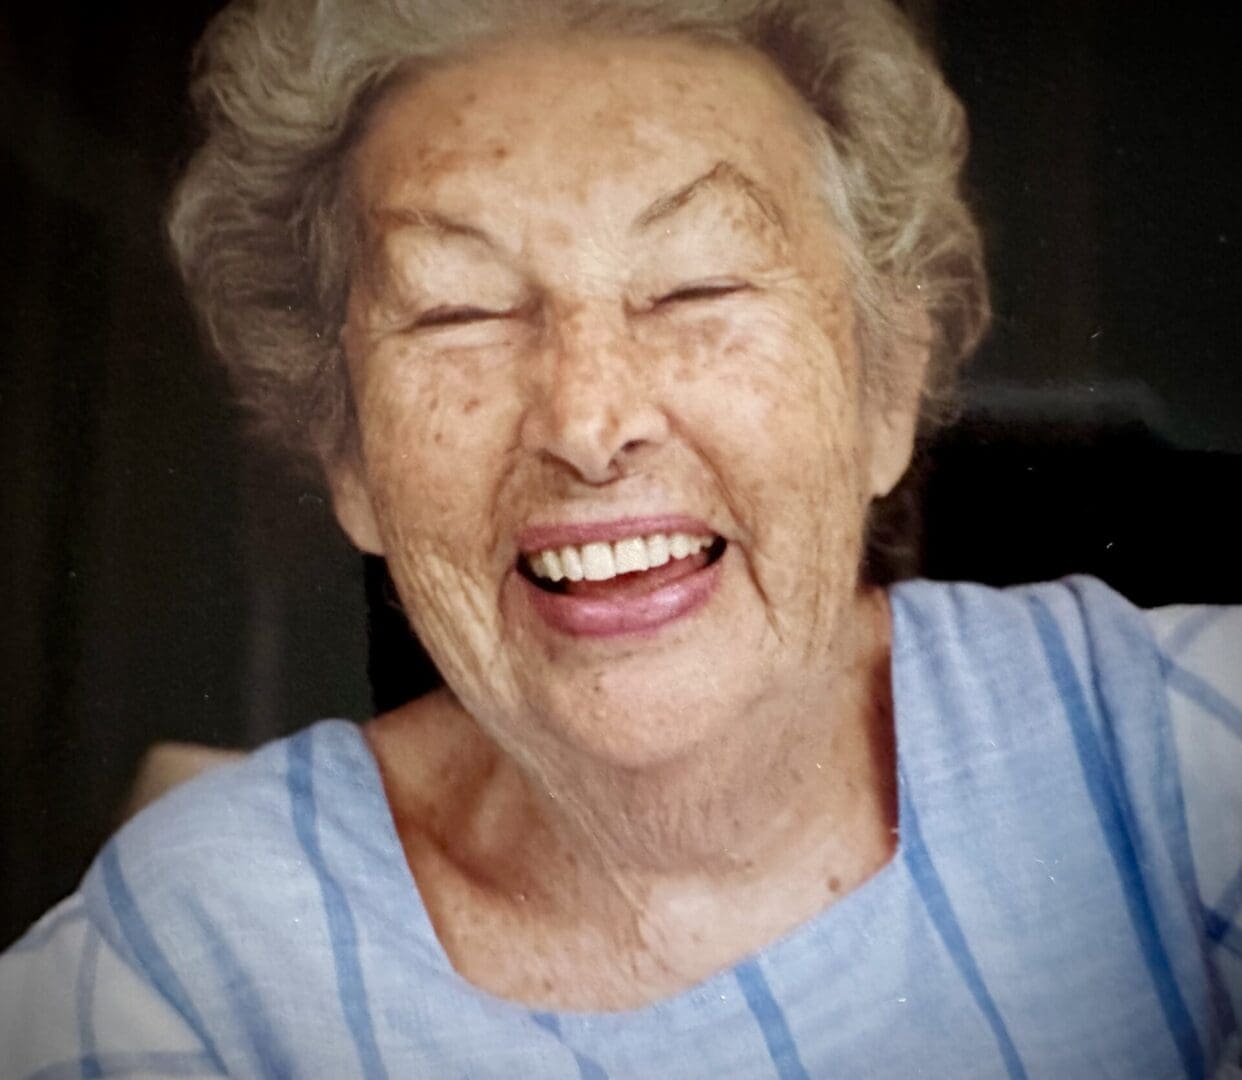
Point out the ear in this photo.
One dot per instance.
(893, 415)
(351, 502)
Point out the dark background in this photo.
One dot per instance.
(160, 579)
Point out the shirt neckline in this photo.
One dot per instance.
(876, 890)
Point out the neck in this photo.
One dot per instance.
(805, 784)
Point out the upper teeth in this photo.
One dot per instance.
(600, 561)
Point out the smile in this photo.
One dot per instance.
(601, 561)
(640, 582)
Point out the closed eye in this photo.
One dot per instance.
(702, 290)
(454, 316)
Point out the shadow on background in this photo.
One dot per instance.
(163, 581)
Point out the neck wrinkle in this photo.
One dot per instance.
(747, 811)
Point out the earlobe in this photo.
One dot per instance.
(355, 513)
(891, 447)
(895, 419)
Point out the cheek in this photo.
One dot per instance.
(426, 427)
(768, 389)
(435, 453)
(772, 405)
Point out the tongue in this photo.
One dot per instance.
(641, 581)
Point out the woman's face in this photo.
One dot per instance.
(600, 311)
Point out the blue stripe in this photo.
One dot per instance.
(1214, 924)
(155, 1062)
(41, 934)
(944, 918)
(150, 956)
(1107, 803)
(587, 1068)
(243, 998)
(1205, 695)
(85, 1003)
(1229, 907)
(350, 985)
(1223, 932)
(771, 1019)
(1190, 628)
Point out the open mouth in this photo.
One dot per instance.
(631, 567)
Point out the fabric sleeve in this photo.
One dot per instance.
(1201, 649)
(70, 1006)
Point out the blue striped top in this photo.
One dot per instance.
(1065, 900)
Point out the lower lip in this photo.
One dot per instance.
(604, 617)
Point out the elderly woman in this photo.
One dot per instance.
(608, 324)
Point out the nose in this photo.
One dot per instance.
(590, 404)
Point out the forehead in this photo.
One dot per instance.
(580, 120)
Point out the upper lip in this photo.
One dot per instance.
(536, 538)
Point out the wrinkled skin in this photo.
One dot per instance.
(547, 327)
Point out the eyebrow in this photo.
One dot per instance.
(724, 175)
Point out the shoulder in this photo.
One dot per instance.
(1073, 649)
(260, 905)
(247, 806)
(1125, 724)
(1146, 707)
(241, 850)
(177, 920)
(1055, 688)
(1076, 636)
(967, 610)
(1179, 667)
(259, 898)
(1072, 646)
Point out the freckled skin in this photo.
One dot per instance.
(519, 355)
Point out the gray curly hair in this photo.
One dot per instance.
(261, 224)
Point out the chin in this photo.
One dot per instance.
(643, 711)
